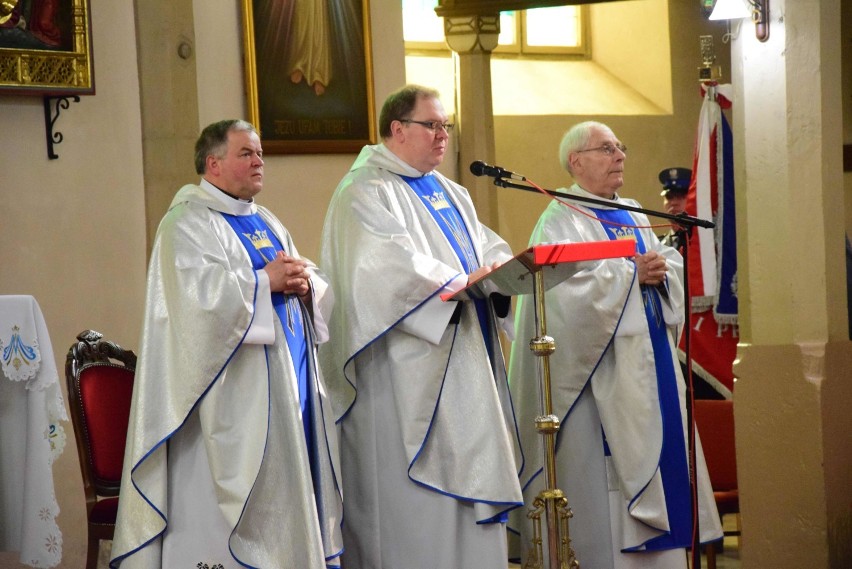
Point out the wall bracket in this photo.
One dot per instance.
(50, 118)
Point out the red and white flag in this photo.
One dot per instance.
(712, 252)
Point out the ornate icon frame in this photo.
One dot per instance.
(66, 69)
(291, 116)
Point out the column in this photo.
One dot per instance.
(793, 393)
(472, 38)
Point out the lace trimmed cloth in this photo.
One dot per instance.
(31, 436)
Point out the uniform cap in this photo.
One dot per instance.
(675, 180)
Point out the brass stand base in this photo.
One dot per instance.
(551, 501)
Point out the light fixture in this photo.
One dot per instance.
(729, 10)
(736, 9)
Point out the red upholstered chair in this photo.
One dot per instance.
(715, 422)
(100, 384)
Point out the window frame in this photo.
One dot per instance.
(520, 49)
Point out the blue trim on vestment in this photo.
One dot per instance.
(346, 413)
(293, 316)
(378, 337)
(121, 558)
(426, 438)
(671, 462)
(427, 188)
(265, 445)
(673, 467)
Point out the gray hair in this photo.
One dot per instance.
(213, 141)
(400, 104)
(577, 138)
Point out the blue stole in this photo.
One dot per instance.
(673, 466)
(262, 246)
(448, 218)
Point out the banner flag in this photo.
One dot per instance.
(713, 252)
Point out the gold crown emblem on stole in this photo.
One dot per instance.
(259, 239)
(623, 232)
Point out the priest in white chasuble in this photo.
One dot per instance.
(232, 455)
(617, 388)
(428, 437)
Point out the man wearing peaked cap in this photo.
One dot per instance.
(675, 183)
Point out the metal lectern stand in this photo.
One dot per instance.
(548, 265)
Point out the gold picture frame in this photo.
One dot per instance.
(46, 48)
(308, 72)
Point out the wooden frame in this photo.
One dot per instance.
(46, 48)
(309, 80)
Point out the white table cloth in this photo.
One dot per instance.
(31, 436)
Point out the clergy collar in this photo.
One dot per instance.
(234, 205)
(406, 168)
(578, 190)
(230, 195)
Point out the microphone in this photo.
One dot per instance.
(479, 168)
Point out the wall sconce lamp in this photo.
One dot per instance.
(736, 9)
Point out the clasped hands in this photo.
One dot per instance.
(289, 275)
(651, 268)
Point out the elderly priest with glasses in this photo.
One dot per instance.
(621, 452)
(418, 384)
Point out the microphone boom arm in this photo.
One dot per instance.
(681, 219)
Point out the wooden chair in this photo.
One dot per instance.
(100, 385)
(715, 422)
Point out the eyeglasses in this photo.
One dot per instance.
(432, 125)
(607, 149)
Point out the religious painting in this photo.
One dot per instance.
(309, 85)
(45, 47)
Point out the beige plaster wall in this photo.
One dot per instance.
(617, 28)
(73, 229)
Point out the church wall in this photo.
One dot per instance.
(73, 229)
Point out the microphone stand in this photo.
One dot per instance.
(687, 222)
(681, 219)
